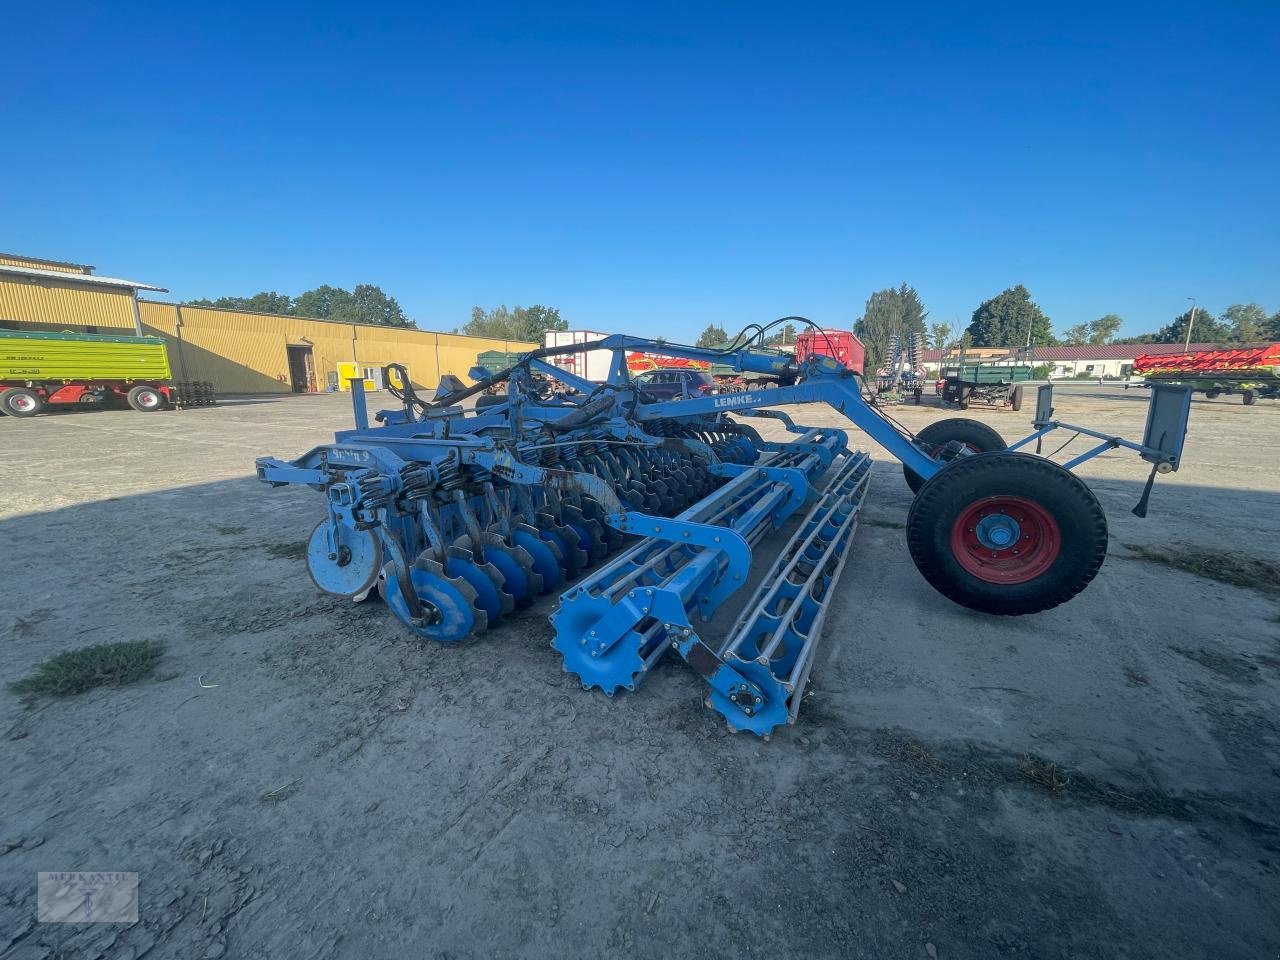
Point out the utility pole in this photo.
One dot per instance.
(1186, 347)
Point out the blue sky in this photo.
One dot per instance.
(652, 167)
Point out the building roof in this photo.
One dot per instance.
(1114, 351)
(84, 278)
(1109, 351)
(80, 267)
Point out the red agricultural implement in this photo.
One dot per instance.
(1252, 372)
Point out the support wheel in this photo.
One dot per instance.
(974, 435)
(1015, 400)
(146, 399)
(21, 402)
(1249, 398)
(1007, 533)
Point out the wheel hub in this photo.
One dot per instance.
(999, 531)
(1005, 540)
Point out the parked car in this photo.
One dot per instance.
(676, 384)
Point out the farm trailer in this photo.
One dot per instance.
(643, 516)
(38, 370)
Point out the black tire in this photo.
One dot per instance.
(146, 399)
(489, 400)
(1249, 398)
(974, 434)
(1060, 557)
(21, 402)
(1015, 400)
(1212, 394)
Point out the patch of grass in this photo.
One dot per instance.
(1058, 780)
(1043, 773)
(1224, 566)
(286, 551)
(229, 531)
(101, 665)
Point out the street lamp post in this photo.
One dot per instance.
(1186, 347)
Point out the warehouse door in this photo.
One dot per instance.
(302, 371)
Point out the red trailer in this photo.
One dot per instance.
(841, 344)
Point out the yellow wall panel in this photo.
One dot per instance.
(246, 352)
(42, 301)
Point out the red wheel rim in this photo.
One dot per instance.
(1005, 539)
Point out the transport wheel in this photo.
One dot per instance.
(146, 399)
(1007, 533)
(1249, 398)
(1212, 394)
(21, 402)
(973, 435)
(1015, 401)
(489, 400)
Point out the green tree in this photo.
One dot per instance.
(785, 337)
(1272, 331)
(1247, 321)
(888, 312)
(265, 302)
(520, 323)
(1104, 328)
(1009, 320)
(366, 304)
(940, 335)
(1206, 329)
(713, 336)
(1077, 335)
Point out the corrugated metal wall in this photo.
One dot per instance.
(245, 352)
(42, 301)
(9, 260)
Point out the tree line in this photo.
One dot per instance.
(1013, 319)
(367, 303)
(1009, 319)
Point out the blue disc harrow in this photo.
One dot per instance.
(642, 515)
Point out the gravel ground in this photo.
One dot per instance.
(304, 779)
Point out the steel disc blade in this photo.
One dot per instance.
(343, 561)
(449, 603)
(572, 557)
(516, 567)
(460, 562)
(546, 556)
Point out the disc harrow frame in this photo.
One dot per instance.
(643, 516)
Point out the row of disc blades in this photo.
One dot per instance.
(535, 547)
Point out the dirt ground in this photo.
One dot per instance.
(304, 779)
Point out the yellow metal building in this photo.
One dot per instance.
(38, 293)
(237, 352)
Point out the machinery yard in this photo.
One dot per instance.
(303, 777)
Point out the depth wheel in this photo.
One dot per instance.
(21, 402)
(146, 399)
(1015, 400)
(1249, 398)
(1007, 533)
(974, 435)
